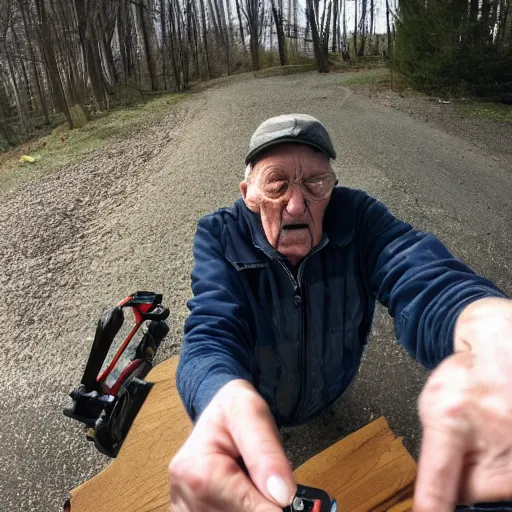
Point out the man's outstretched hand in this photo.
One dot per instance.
(466, 413)
(205, 475)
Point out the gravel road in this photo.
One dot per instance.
(123, 219)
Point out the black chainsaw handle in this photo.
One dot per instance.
(108, 326)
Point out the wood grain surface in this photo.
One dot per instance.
(370, 470)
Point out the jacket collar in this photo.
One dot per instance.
(338, 231)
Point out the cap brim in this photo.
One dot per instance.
(252, 154)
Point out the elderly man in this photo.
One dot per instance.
(284, 284)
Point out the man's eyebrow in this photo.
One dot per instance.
(272, 168)
(316, 173)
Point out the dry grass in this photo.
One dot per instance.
(64, 146)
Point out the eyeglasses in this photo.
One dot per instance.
(315, 188)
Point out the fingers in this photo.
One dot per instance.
(439, 472)
(256, 438)
(206, 474)
(216, 484)
(488, 474)
(446, 436)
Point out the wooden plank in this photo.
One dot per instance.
(370, 470)
(403, 506)
(366, 471)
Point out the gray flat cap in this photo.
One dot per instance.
(298, 128)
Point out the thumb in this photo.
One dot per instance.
(256, 438)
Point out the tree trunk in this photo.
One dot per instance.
(183, 48)
(77, 85)
(363, 28)
(334, 47)
(5, 129)
(345, 22)
(87, 14)
(195, 25)
(14, 84)
(355, 29)
(278, 19)
(108, 14)
(493, 19)
(372, 7)
(325, 32)
(124, 36)
(255, 48)
(144, 21)
(321, 61)
(175, 59)
(51, 61)
(35, 69)
(216, 28)
(502, 24)
(163, 28)
(205, 36)
(27, 93)
(252, 11)
(226, 36)
(242, 36)
(229, 22)
(388, 29)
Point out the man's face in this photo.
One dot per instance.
(290, 187)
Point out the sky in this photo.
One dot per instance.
(380, 13)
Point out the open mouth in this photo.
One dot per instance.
(295, 226)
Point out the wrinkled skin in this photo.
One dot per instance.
(466, 413)
(296, 162)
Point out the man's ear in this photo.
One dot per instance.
(243, 189)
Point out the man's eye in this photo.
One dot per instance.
(316, 184)
(276, 188)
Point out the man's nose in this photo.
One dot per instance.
(296, 203)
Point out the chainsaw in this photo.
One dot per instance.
(107, 401)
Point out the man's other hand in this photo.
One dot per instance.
(466, 412)
(205, 475)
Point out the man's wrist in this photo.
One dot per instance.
(488, 314)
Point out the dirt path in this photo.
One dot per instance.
(123, 219)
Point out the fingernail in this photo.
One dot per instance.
(279, 490)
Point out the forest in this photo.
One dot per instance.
(71, 60)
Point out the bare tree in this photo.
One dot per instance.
(240, 24)
(147, 29)
(388, 30)
(355, 28)
(335, 19)
(51, 61)
(254, 13)
(278, 20)
(319, 48)
(7, 25)
(29, 36)
(205, 36)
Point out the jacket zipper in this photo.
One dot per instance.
(298, 296)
